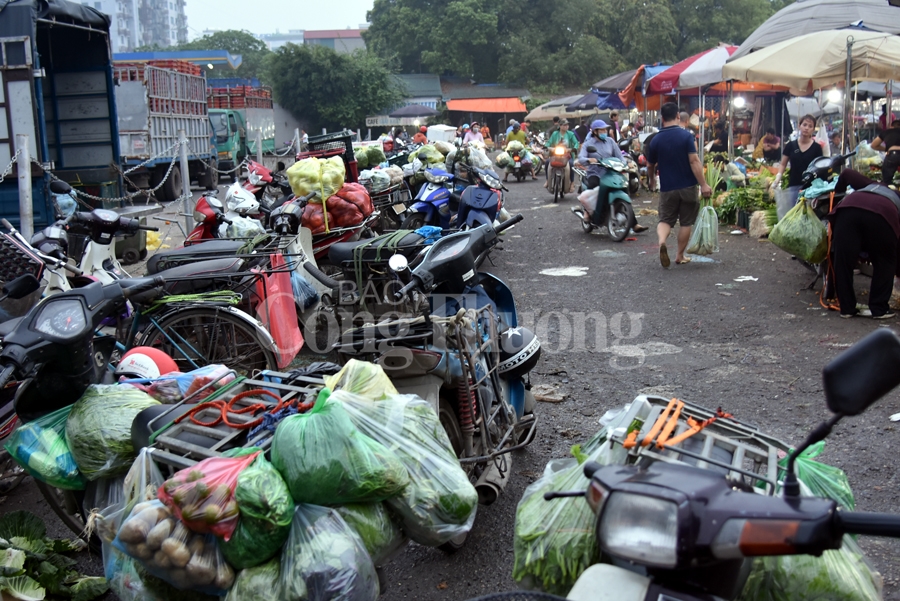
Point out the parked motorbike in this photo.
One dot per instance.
(270, 188)
(557, 175)
(675, 531)
(209, 215)
(242, 211)
(435, 203)
(468, 356)
(614, 212)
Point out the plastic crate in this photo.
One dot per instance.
(337, 141)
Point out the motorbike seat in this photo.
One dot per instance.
(342, 252)
(192, 270)
(9, 325)
(211, 249)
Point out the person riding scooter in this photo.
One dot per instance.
(565, 138)
(602, 146)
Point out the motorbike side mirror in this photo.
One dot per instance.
(58, 187)
(862, 374)
(21, 286)
(279, 166)
(398, 263)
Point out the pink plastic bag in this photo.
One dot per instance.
(277, 311)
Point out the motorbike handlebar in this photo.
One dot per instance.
(873, 524)
(405, 290)
(148, 228)
(226, 219)
(509, 223)
(150, 284)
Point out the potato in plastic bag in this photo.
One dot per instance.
(378, 530)
(324, 458)
(440, 502)
(40, 447)
(168, 550)
(202, 496)
(98, 430)
(324, 560)
(802, 234)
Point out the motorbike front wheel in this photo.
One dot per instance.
(557, 186)
(621, 219)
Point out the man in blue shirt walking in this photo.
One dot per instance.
(673, 152)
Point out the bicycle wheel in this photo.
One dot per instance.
(203, 335)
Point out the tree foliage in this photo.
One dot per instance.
(329, 89)
(252, 50)
(552, 44)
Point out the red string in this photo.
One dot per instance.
(226, 407)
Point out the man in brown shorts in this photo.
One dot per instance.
(674, 153)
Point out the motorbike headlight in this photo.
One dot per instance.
(254, 178)
(641, 529)
(559, 151)
(199, 217)
(435, 179)
(65, 319)
(491, 181)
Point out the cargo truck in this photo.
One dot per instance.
(56, 86)
(153, 103)
(238, 113)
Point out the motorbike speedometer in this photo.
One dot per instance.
(65, 319)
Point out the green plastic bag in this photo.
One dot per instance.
(376, 155)
(555, 540)
(362, 158)
(40, 448)
(257, 584)
(822, 480)
(98, 430)
(376, 527)
(325, 459)
(801, 234)
(440, 502)
(266, 509)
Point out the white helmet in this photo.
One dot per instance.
(240, 201)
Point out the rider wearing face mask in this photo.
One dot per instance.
(603, 146)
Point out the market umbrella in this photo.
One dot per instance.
(818, 60)
(554, 108)
(808, 16)
(871, 89)
(799, 106)
(614, 83)
(413, 110)
(701, 69)
(586, 102)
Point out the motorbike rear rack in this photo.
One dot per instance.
(734, 448)
(183, 444)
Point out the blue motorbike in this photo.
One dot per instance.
(435, 203)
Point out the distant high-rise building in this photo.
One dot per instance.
(136, 23)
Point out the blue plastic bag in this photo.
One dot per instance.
(304, 293)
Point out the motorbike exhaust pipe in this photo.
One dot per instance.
(493, 481)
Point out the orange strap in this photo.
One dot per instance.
(660, 421)
(670, 425)
(226, 407)
(695, 426)
(666, 423)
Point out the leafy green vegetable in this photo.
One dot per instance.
(554, 540)
(31, 566)
(98, 430)
(266, 509)
(325, 459)
(377, 529)
(440, 502)
(842, 575)
(801, 233)
(256, 584)
(324, 559)
(375, 154)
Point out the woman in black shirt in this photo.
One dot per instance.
(799, 153)
(889, 140)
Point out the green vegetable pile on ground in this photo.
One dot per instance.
(266, 509)
(33, 566)
(554, 540)
(325, 459)
(259, 583)
(325, 560)
(440, 502)
(379, 530)
(98, 430)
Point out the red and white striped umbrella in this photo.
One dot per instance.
(699, 70)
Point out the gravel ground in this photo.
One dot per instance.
(755, 348)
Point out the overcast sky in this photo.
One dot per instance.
(267, 16)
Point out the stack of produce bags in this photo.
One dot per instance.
(349, 483)
(337, 204)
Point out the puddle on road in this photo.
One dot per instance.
(573, 272)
